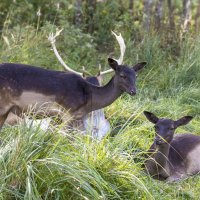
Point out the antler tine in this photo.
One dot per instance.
(83, 70)
(122, 46)
(106, 72)
(99, 72)
(52, 39)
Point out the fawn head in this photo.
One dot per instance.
(165, 128)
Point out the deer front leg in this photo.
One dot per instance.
(3, 118)
(12, 119)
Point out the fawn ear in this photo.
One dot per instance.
(151, 117)
(139, 66)
(183, 121)
(113, 63)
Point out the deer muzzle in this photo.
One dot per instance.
(132, 92)
(159, 141)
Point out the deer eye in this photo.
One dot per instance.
(122, 76)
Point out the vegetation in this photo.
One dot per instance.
(47, 165)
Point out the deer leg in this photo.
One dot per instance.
(14, 116)
(3, 118)
(4, 111)
(12, 119)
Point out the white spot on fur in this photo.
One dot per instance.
(31, 98)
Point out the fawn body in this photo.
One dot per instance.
(172, 157)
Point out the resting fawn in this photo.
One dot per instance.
(172, 157)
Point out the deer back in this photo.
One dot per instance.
(67, 89)
(184, 154)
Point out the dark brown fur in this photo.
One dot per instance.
(68, 90)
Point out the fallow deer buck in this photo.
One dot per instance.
(95, 122)
(23, 86)
(172, 157)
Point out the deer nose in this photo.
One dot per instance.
(133, 92)
(159, 140)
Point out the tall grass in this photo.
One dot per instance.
(47, 165)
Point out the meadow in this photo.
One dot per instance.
(36, 164)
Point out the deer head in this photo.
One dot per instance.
(165, 128)
(125, 77)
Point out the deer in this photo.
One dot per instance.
(23, 86)
(95, 122)
(172, 157)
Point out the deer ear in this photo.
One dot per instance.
(113, 63)
(183, 121)
(139, 66)
(151, 117)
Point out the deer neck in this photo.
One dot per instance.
(157, 164)
(104, 96)
(162, 154)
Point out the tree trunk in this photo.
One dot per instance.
(171, 14)
(131, 6)
(78, 14)
(147, 14)
(90, 10)
(186, 15)
(197, 18)
(158, 14)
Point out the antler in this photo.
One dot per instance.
(119, 38)
(52, 39)
(122, 46)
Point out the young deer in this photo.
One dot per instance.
(172, 157)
